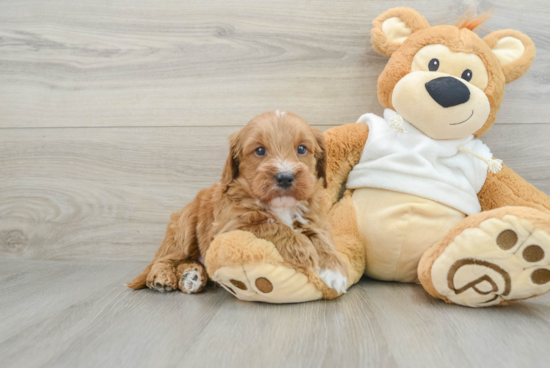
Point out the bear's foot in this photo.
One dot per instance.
(265, 282)
(492, 258)
(253, 270)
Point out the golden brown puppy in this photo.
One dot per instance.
(273, 185)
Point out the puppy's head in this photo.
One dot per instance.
(278, 157)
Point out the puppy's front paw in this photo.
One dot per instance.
(334, 280)
(162, 278)
(192, 277)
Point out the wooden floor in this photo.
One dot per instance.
(79, 314)
(114, 114)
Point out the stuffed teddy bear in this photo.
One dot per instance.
(415, 195)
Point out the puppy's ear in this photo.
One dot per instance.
(231, 168)
(320, 156)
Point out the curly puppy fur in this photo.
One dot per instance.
(249, 198)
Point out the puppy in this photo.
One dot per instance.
(273, 186)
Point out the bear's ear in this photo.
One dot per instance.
(514, 51)
(392, 28)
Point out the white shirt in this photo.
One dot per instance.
(411, 162)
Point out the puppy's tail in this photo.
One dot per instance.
(141, 280)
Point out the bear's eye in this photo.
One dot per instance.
(260, 151)
(467, 75)
(301, 150)
(433, 65)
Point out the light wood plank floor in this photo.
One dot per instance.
(115, 113)
(79, 314)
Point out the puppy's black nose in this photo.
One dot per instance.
(448, 91)
(284, 179)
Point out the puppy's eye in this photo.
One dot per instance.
(302, 150)
(260, 151)
(433, 65)
(467, 75)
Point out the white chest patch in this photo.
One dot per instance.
(288, 210)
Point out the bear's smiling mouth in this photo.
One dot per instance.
(472, 114)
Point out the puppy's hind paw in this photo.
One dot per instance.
(334, 280)
(162, 278)
(192, 277)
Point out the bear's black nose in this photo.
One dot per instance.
(448, 91)
(284, 179)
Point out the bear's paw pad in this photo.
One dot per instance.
(264, 282)
(499, 261)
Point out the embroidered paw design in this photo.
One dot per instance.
(501, 260)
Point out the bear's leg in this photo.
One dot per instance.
(253, 270)
(491, 258)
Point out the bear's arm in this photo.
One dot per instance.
(344, 145)
(506, 188)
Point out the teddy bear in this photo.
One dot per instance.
(415, 195)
